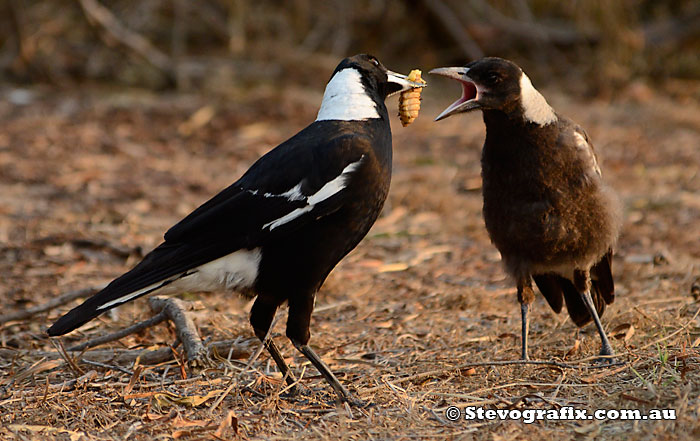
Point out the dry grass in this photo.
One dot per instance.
(400, 320)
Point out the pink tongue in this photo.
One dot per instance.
(468, 91)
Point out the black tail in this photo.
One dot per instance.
(555, 288)
(93, 307)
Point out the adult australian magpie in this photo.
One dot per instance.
(278, 231)
(546, 207)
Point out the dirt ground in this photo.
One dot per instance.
(91, 179)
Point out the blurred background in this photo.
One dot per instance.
(593, 47)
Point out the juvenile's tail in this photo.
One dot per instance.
(554, 288)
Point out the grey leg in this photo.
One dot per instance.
(343, 394)
(525, 296)
(300, 308)
(582, 281)
(261, 317)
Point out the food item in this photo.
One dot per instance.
(409, 101)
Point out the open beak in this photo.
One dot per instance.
(470, 93)
(400, 82)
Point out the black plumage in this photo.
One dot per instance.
(546, 207)
(278, 231)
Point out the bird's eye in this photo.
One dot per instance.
(375, 61)
(493, 77)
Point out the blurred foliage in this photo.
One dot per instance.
(594, 45)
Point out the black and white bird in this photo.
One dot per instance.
(278, 231)
(546, 207)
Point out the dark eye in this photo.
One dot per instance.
(375, 61)
(493, 77)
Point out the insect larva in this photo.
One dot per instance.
(409, 101)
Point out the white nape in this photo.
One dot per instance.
(329, 189)
(535, 107)
(346, 99)
(233, 271)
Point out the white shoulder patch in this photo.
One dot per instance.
(345, 99)
(535, 107)
(329, 189)
(583, 145)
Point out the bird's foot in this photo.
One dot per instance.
(354, 401)
(606, 356)
(199, 362)
(297, 390)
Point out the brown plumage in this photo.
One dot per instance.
(546, 207)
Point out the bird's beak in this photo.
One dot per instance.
(399, 83)
(470, 92)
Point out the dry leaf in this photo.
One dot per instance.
(36, 368)
(181, 422)
(574, 349)
(45, 430)
(166, 399)
(624, 331)
(410, 317)
(468, 372)
(393, 267)
(199, 119)
(429, 252)
(228, 421)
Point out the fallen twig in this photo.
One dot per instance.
(156, 319)
(58, 344)
(250, 362)
(495, 363)
(238, 348)
(674, 333)
(175, 309)
(58, 301)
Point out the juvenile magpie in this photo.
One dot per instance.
(546, 207)
(278, 231)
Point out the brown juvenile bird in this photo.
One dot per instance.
(546, 207)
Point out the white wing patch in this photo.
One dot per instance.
(293, 194)
(346, 99)
(329, 189)
(535, 107)
(583, 145)
(134, 294)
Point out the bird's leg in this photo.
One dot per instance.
(525, 296)
(300, 309)
(261, 316)
(582, 282)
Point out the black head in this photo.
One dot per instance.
(358, 87)
(375, 76)
(496, 84)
